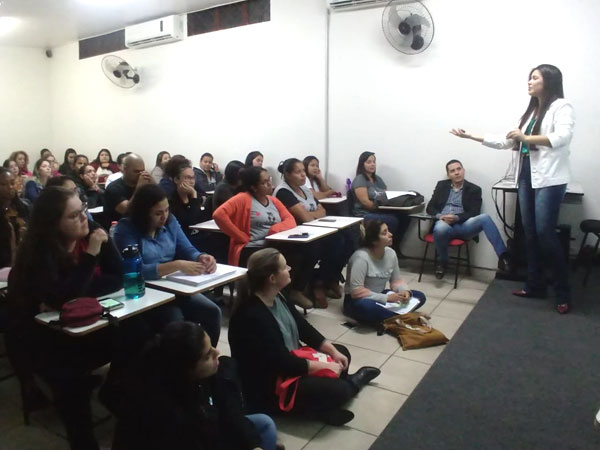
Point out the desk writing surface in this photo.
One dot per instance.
(185, 289)
(333, 200)
(151, 299)
(96, 210)
(209, 225)
(573, 187)
(314, 233)
(3, 284)
(339, 222)
(402, 208)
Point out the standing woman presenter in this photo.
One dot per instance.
(542, 140)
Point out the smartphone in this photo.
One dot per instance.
(326, 220)
(298, 236)
(111, 304)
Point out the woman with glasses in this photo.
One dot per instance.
(250, 216)
(62, 257)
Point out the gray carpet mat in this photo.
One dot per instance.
(516, 375)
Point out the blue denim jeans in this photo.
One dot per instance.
(539, 215)
(266, 429)
(367, 310)
(444, 233)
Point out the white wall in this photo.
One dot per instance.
(24, 101)
(473, 76)
(257, 87)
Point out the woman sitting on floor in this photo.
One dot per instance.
(314, 178)
(252, 215)
(165, 249)
(62, 257)
(184, 396)
(369, 270)
(329, 250)
(265, 328)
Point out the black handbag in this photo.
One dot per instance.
(400, 201)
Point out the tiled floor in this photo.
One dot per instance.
(374, 407)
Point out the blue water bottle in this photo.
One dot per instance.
(348, 185)
(133, 281)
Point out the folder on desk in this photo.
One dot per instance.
(199, 280)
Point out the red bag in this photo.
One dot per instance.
(80, 312)
(283, 386)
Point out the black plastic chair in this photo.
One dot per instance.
(593, 227)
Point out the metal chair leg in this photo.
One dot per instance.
(423, 261)
(457, 267)
(468, 258)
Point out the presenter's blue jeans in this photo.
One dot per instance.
(266, 430)
(368, 310)
(539, 214)
(444, 233)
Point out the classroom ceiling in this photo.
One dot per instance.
(52, 23)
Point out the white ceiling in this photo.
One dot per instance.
(52, 23)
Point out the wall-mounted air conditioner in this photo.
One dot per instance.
(337, 5)
(156, 32)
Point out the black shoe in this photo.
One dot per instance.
(363, 376)
(504, 263)
(440, 270)
(336, 417)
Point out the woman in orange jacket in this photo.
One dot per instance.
(250, 216)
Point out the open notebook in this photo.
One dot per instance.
(401, 308)
(199, 280)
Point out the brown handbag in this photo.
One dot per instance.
(414, 330)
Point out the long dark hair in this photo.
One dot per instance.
(360, 168)
(159, 158)
(261, 265)
(110, 160)
(553, 89)
(42, 252)
(139, 207)
(232, 172)
(66, 157)
(174, 166)
(251, 157)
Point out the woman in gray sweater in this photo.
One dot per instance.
(369, 270)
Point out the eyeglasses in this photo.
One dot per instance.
(189, 178)
(78, 214)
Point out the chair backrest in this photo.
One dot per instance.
(350, 199)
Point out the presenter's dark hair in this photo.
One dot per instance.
(251, 157)
(372, 230)
(173, 167)
(159, 157)
(360, 168)
(139, 207)
(232, 172)
(250, 177)
(286, 167)
(452, 161)
(553, 89)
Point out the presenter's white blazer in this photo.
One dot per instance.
(549, 165)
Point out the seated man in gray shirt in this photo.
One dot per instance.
(456, 203)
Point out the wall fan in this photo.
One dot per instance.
(119, 72)
(408, 26)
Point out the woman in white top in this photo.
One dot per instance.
(542, 140)
(314, 178)
(369, 271)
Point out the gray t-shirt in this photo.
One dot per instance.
(289, 197)
(373, 274)
(375, 189)
(262, 218)
(287, 324)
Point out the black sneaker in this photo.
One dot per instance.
(336, 417)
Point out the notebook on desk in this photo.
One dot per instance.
(199, 280)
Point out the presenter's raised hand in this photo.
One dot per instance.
(459, 132)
